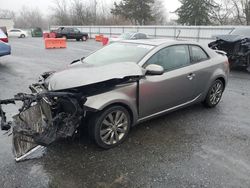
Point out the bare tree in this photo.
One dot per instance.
(61, 13)
(223, 13)
(28, 18)
(159, 13)
(242, 11)
(6, 13)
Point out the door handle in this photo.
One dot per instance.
(191, 76)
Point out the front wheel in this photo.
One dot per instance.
(110, 127)
(214, 94)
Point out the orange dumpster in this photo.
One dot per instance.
(98, 38)
(55, 43)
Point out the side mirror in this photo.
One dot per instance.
(154, 69)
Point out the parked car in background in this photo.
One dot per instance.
(71, 33)
(129, 36)
(36, 32)
(237, 46)
(5, 49)
(117, 87)
(3, 36)
(17, 33)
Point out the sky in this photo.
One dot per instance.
(43, 5)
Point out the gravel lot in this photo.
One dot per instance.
(193, 147)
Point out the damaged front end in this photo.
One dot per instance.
(237, 49)
(45, 116)
(57, 106)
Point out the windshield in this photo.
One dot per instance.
(126, 35)
(241, 31)
(118, 52)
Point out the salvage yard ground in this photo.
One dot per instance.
(193, 147)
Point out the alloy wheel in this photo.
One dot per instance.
(114, 127)
(216, 93)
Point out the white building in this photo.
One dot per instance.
(7, 22)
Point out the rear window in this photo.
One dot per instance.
(2, 34)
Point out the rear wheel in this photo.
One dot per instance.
(110, 127)
(77, 39)
(214, 94)
(22, 36)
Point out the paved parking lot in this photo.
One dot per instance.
(193, 147)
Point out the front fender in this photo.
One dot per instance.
(125, 95)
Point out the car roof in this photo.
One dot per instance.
(158, 42)
(15, 29)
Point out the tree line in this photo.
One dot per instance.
(133, 12)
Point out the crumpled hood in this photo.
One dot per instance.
(229, 38)
(86, 74)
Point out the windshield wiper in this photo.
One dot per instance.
(77, 60)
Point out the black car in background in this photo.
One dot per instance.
(237, 46)
(71, 33)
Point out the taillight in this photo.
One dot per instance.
(4, 40)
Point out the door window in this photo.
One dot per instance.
(198, 54)
(171, 58)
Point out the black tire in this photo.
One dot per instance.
(84, 38)
(214, 94)
(22, 36)
(77, 39)
(97, 124)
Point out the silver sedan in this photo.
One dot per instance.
(142, 80)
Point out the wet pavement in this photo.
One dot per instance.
(193, 147)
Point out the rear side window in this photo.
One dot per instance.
(198, 54)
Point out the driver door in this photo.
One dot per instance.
(175, 87)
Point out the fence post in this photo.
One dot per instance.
(174, 32)
(90, 32)
(198, 34)
(155, 31)
(110, 31)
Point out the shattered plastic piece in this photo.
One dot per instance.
(35, 153)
